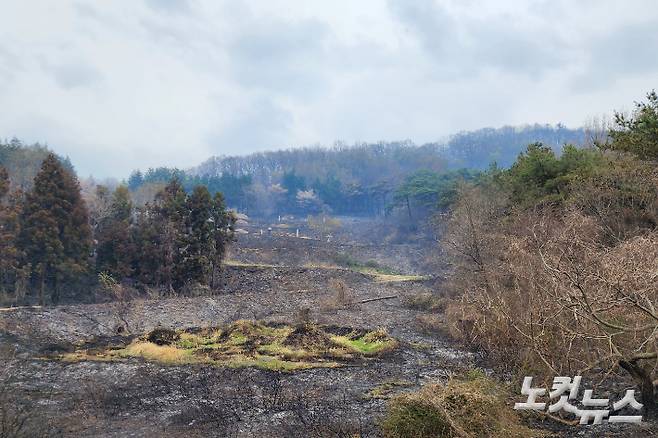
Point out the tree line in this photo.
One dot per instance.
(361, 179)
(51, 242)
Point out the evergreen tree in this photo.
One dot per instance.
(159, 237)
(198, 253)
(637, 133)
(147, 238)
(135, 180)
(115, 249)
(55, 233)
(4, 183)
(10, 272)
(223, 232)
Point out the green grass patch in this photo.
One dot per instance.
(245, 344)
(371, 343)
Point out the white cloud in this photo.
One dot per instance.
(123, 84)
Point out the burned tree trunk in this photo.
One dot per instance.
(642, 376)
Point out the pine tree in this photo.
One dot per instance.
(55, 232)
(147, 238)
(159, 237)
(9, 228)
(4, 183)
(198, 251)
(223, 232)
(115, 249)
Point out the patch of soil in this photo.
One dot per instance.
(350, 332)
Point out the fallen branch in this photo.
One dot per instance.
(377, 299)
(556, 418)
(9, 309)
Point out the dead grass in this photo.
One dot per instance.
(166, 354)
(428, 302)
(431, 324)
(473, 406)
(396, 278)
(387, 389)
(340, 296)
(249, 265)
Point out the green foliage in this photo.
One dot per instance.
(196, 262)
(46, 234)
(330, 191)
(292, 183)
(429, 190)
(538, 175)
(106, 280)
(115, 250)
(637, 133)
(55, 232)
(234, 188)
(369, 266)
(182, 238)
(415, 418)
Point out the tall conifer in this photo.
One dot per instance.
(55, 232)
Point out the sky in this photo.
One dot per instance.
(126, 84)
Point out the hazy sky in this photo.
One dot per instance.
(126, 84)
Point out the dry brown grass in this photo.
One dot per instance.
(431, 324)
(426, 301)
(468, 407)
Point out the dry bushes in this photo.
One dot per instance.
(622, 200)
(544, 290)
(426, 301)
(469, 407)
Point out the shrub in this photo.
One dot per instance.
(472, 406)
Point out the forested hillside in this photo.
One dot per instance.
(24, 161)
(362, 179)
(478, 149)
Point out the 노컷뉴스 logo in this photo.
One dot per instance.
(566, 389)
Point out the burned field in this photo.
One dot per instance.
(307, 349)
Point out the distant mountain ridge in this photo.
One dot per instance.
(469, 149)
